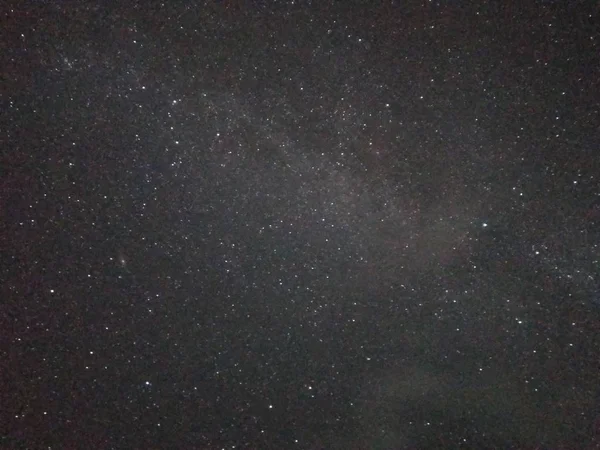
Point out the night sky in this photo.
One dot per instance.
(279, 225)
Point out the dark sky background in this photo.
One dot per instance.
(277, 225)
